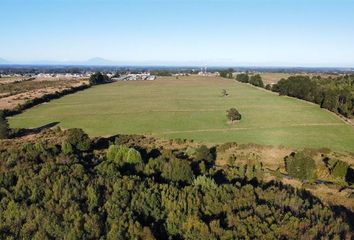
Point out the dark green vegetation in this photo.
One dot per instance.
(133, 188)
(233, 115)
(4, 126)
(301, 166)
(255, 80)
(334, 94)
(99, 78)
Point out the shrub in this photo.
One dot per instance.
(233, 115)
(133, 156)
(121, 154)
(178, 170)
(4, 126)
(300, 165)
(243, 77)
(66, 148)
(78, 139)
(256, 80)
(338, 168)
(203, 153)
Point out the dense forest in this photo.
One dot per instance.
(335, 94)
(68, 186)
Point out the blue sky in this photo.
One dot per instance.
(180, 32)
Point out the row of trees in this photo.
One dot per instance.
(334, 94)
(130, 191)
(255, 80)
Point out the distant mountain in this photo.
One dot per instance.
(3, 61)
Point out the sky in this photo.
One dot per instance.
(309, 33)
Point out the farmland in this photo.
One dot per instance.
(193, 108)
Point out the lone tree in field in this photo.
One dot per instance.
(233, 115)
(4, 126)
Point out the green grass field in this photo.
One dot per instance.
(192, 108)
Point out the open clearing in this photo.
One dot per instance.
(192, 108)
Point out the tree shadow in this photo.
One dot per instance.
(27, 131)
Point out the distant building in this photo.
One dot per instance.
(135, 77)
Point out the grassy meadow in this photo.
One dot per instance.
(193, 108)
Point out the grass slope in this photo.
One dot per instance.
(192, 107)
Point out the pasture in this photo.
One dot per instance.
(193, 108)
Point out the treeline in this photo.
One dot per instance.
(80, 188)
(255, 80)
(335, 94)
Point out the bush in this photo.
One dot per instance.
(178, 171)
(256, 80)
(78, 139)
(233, 114)
(66, 148)
(338, 168)
(300, 165)
(203, 153)
(121, 154)
(243, 77)
(133, 156)
(4, 126)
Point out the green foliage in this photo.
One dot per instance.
(300, 165)
(226, 73)
(133, 156)
(243, 77)
(4, 126)
(190, 151)
(256, 80)
(78, 139)
(66, 148)
(99, 78)
(121, 154)
(338, 169)
(233, 114)
(95, 198)
(334, 94)
(203, 153)
(205, 183)
(178, 171)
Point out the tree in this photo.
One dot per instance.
(133, 156)
(98, 78)
(78, 139)
(256, 80)
(300, 165)
(233, 115)
(243, 77)
(4, 126)
(178, 171)
(203, 153)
